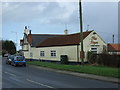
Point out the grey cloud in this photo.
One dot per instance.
(24, 12)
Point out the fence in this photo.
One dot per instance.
(105, 59)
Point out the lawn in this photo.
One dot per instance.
(89, 69)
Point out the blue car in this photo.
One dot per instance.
(18, 60)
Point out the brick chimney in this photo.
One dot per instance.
(26, 30)
(29, 31)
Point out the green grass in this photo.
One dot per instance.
(89, 69)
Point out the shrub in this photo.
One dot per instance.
(90, 57)
(64, 59)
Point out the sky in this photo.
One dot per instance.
(55, 17)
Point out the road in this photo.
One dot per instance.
(31, 77)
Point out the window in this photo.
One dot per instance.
(42, 53)
(94, 49)
(53, 53)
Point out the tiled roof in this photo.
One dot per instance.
(35, 39)
(70, 39)
(29, 38)
(113, 47)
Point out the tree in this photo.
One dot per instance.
(8, 47)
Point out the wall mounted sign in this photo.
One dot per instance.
(94, 40)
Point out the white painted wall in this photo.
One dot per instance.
(25, 47)
(87, 44)
(71, 51)
(26, 50)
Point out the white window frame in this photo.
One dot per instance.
(94, 49)
(42, 53)
(53, 53)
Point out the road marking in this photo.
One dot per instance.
(10, 73)
(39, 83)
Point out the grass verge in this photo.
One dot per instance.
(96, 70)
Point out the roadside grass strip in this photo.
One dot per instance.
(88, 69)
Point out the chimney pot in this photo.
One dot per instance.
(66, 32)
(30, 32)
(25, 27)
(26, 30)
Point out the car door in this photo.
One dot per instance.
(13, 60)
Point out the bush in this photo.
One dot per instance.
(91, 57)
(64, 59)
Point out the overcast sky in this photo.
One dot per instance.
(52, 18)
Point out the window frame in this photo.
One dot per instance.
(94, 49)
(42, 53)
(53, 53)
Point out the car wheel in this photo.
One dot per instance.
(15, 65)
(24, 65)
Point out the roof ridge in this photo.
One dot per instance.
(67, 35)
(45, 34)
(61, 34)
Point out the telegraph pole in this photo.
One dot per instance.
(113, 38)
(81, 33)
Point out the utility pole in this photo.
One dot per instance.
(81, 33)
(113, 38)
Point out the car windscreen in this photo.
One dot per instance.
(11, 57)
(19, 58)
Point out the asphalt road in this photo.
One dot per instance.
(31, 77)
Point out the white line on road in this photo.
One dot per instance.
(10, 73)
(39, 83)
